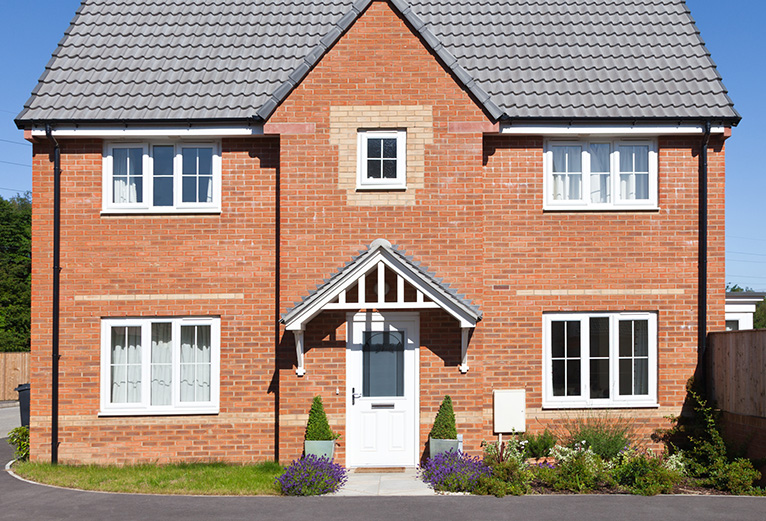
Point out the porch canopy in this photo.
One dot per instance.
(382, 277)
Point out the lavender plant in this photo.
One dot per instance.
(312, 476)
(453, 472)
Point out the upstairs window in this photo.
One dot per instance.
(381, 160)
(600, 359)
(600, 174)
(162, 177)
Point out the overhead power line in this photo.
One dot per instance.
(745, 238)
(17, 164)
(22, 143)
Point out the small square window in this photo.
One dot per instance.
(381, 161)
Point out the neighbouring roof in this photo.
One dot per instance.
(396, 259)
(194, 60)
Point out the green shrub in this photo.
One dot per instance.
(18, 438)
(317, 427)
(603, 434)
(499, 452)
(706, 456)
(444, 424)
(646, 474)
(736, 476)
(577, 469)
(540, 445)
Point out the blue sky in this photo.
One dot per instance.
(732, 29)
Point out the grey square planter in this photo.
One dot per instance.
(439, 446)
(319, 448)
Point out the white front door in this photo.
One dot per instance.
(382, 389)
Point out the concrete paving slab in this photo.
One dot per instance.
(385, 484)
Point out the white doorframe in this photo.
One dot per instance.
(411, 321)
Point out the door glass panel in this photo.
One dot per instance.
(383, 363)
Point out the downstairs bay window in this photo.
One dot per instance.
(162, 177)
(600, 359)
(160, 366)
(600, 174)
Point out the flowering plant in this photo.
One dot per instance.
(312, 476)
(453, 472)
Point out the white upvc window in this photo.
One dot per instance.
(600, 360)
(160, 366)
(162, 177)
(381, 160)
(600, 174)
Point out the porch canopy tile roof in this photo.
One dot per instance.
(434, 292)
(133, 61)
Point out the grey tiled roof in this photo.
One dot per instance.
(428, 277)
(237, 59)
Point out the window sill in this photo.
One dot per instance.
(585, 405)
(595, 209)
(183, 211)
(164, 412)
(379, 188)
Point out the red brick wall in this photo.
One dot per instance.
(229, 253)
(477, 221)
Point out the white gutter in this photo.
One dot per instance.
(149, 132)
(607, 130)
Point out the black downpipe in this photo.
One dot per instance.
(55, 318)
(702, 302)
(277, 276)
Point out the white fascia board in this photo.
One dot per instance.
(150, 132)
(607, 130)
(739, 307)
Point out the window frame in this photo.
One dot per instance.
(616, 203)
(147, 206)
(144, 408)
(398, 183)
(584, 400)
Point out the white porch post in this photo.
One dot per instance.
(299, 370)
(466, 332)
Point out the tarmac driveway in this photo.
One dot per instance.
(25, 501)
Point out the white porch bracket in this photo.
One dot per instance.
(466, 333)
(299, 370)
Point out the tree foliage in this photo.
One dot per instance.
(15, 272)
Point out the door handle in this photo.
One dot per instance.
(354, 396)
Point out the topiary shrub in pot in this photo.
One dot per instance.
(320, 439)
(443, 435)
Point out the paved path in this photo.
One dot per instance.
(9, 418)
(404, 483)
(24, 501)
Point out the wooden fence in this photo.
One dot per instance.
(736, 365)
(14, 370)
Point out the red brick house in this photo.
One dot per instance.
(376, 202)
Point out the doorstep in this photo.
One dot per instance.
(385, 482)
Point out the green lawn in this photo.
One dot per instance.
(181, 478)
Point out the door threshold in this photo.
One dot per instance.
(379, 470)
